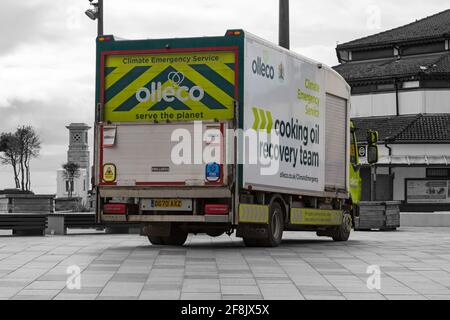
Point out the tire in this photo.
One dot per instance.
(177, 238)
(156, 241)
(250, 242)
(342, 233)
(274, 229)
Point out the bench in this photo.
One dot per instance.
(24, 224)
(59, 222)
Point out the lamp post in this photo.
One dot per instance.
(96, 14)
(283, 35)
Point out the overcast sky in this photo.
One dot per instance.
(47, 50)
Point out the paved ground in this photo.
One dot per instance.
(414, 263)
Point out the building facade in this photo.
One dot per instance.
(78, 153)
(400, 83)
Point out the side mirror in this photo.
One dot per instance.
(372, 154)
(372, 137)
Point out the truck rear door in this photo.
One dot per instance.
(162, 154)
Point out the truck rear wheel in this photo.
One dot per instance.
(177, 237)
(250, 242)
(156, 241)
(342, 233)
(274, 229)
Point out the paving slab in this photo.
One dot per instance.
(414, 264)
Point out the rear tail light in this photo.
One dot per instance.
(114, 208)
(217, 209)
(234, 33)
(101, 39)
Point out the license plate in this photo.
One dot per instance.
(166, 204)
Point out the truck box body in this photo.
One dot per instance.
(151, 94)
(296, 97)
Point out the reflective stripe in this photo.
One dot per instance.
(316, 217)
(250, 213)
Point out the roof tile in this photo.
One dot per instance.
(393, 67)
(421, 128)
(430, 27)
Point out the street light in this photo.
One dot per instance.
(96, 14)
(92, 14)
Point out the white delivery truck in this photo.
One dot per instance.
(220, 134)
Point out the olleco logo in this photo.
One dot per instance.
(262, 69)
(156, 93)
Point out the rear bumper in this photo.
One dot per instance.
(166, 193)
(167, 218)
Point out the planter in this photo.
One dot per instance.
(378, 215)
(26, 203)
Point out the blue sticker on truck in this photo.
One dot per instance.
(212, 172)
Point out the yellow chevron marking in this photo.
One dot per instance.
(143, 109)
(159, 62)
(196, 106)
(207, 85)
(133, 87)
(223, 70)
(116, 75)
(144, 106)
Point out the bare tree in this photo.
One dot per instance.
(9, 148)
(30, 148)
(71, 171)
(18, 149)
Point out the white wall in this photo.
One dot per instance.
(410, 102)
(370, 105)
(437, 101)
(81, 185)
(421, 150)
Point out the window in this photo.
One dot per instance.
(373, 88)
(372, 54)
(425, 48)
(386, 87)
(411, 84)
(438, 173)
(435, 84)
(364, 89)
